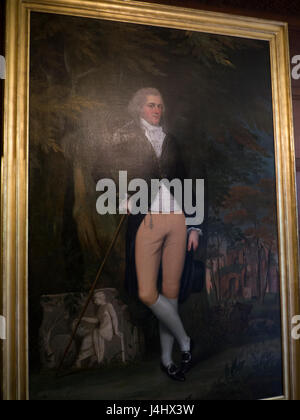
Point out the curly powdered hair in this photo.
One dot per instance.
(139, 99)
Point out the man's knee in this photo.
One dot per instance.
(170, 289)
(171, 294)
(148, 298)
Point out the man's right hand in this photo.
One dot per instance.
(125, 205)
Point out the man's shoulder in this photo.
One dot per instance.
(127, 132)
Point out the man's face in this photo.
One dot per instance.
(152, 110)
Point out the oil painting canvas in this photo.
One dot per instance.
(211, 95)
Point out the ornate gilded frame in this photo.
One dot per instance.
(14, 182)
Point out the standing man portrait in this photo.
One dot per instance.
(159, 239)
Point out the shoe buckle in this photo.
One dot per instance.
(187, 357)
(172, 369)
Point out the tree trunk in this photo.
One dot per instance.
(218, 268)
(214, 281)
(267, 274)
(245, 263)
(259, 260)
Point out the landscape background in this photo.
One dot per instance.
(217, 92)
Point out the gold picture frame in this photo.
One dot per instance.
(15, 178)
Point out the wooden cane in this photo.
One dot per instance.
(91, 293)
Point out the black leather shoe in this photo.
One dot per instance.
(187, 361)
(173, 372)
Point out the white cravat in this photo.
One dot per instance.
(155, 135)
(164, 201)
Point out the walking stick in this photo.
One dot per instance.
(94, 285)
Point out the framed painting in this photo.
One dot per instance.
(149, 231)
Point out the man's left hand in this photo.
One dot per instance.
(193, 241)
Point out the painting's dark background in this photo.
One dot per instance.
(219, 106)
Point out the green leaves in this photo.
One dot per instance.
(210, 49)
